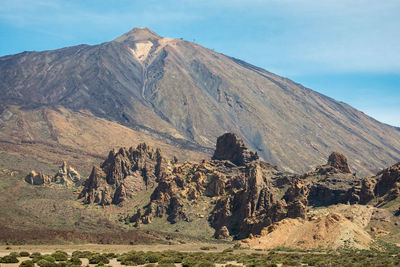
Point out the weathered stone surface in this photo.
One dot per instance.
(66, 175)
(241, 194)
(124, 173)
(231, 147)
(222, 233)
(339, 162)
(387, 179)
(244, 193)
(332, 183)
(34, 178)
(367, 192)
(384, 187)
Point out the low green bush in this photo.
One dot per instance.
(166, 265)
(152, 258)
(82, 254)
(9, 259)
(98, 259)
(24, 254)
(35, 254)
(45, 263)
(27, 263)
(205, 264)
(228, 250)
(60, 256)
(49, 258)
(74, 261)
(134, 259)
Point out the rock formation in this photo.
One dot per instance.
(243, 188)
(244, 196)
(332, 183)
(231, 147)
(385, 186)
(35, 178)
(339, 161)
(66, 175)
(123, 174)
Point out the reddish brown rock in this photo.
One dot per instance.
(339, 161)
(231, 147)
(124, 173)
(367, 192)
(222, 233)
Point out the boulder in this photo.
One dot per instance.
(222, 233)
(231, 147)
(339, 161)
(39, 178)
(67, 175)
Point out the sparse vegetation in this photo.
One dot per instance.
(9, 259)
(271, 258)
(98, 259)
(27, 263)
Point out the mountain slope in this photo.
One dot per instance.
(187, 95)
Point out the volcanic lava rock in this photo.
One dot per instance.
(333, 183)
(35, 178)
(387, 180)
(385, 186)
(242, 190)
(222, 233)
(231, 147)
(66, 175)
(123, 174)
(339, 161)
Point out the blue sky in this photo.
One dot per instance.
(346, 49)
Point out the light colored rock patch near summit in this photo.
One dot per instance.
(141, 50)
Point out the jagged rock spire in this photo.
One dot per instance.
(339, 161)
(231, 147)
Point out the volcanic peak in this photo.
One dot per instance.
(138, 34)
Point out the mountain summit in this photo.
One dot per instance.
(187, 95)
(138, 34)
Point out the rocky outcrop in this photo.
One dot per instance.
(66, 175)
(231, 147)
(332, 183)
(247, 193)
(250, 207)
(339, 161)
(222, 233)
(243, 190)
(39, 178)
(124, 173)
(237, 193)
(383, 187)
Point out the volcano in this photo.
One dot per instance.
(185, 95)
